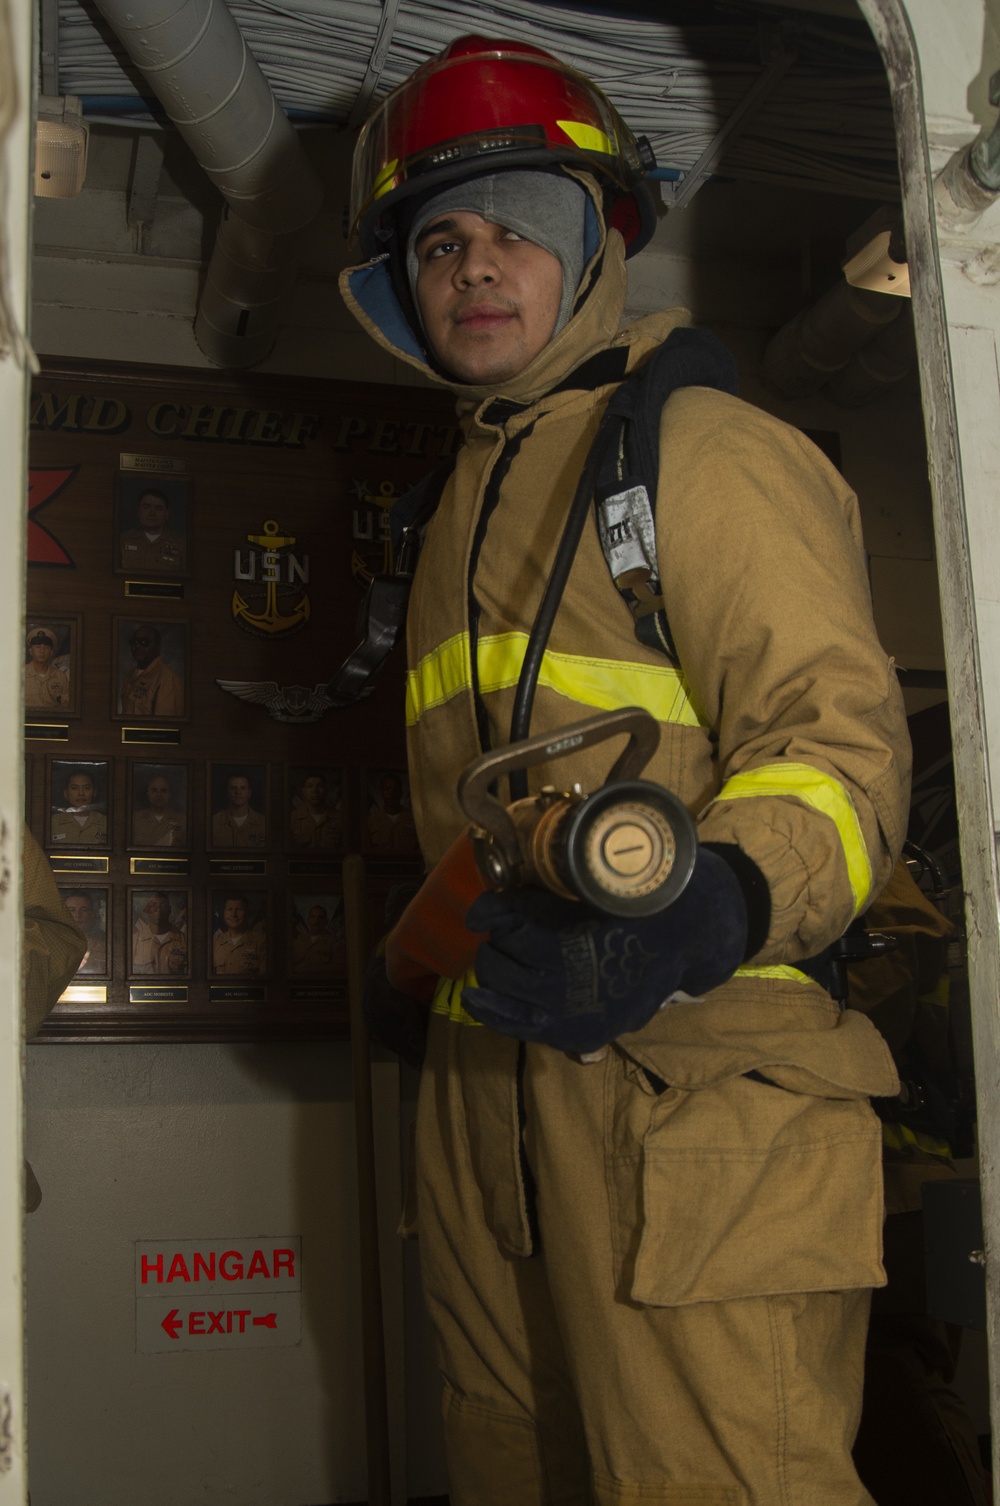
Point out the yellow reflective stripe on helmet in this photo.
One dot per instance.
(603, 683)
(786, 974)
(823, 793)
(447, 999)
(587, 137)
(384, 178)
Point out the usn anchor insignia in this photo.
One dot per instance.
(271, 600)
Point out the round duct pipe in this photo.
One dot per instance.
(196, 61)
(886, 359)
(808, 351)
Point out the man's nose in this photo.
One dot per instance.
(478, 264)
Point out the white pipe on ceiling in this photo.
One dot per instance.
(195, 59)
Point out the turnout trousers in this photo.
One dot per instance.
(563, 1387)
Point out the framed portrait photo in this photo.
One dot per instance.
(53, 657)
(158, 937)
(153, 521)
(78, 803)
(151, 670)
(240, 932)
(316, 942)
(89, 909)
(314, 806)
(389, 829)
(159, 804)
(238, 806)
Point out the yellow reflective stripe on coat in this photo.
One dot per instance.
(785, 974)
(606, 684)
(896, 1136)
(823, 793)
(447, 999)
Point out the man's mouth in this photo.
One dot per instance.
(483, 317)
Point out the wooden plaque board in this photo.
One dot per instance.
(184, 529)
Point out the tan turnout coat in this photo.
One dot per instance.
(782, 730)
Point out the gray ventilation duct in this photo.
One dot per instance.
(196, 61)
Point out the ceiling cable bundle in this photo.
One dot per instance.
(825, 124)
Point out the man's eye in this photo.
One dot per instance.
(512, 235)
(441, 249)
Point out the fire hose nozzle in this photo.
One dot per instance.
(626, 849)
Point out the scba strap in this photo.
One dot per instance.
(628, 478)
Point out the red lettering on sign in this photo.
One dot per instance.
(215, 1322)
(242, 1313)
(269, 1320)
(236, 1274)
(178, 1269)
(172, 1323)
(202, 1266)
(258, 1265)
(196, 1326)
(284, 1260)
(149, 1267)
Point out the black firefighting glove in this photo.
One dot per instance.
(396, 1020)
(557, 972)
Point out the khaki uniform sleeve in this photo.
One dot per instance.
(53, 946)
(760, 553)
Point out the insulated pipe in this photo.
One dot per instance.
(196, 61)
(887, 358)
(808, 351)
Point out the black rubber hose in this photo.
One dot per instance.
(541, 631)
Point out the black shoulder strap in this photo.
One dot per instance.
(628, 479)
(382, 616)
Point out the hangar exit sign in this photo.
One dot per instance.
(217, 1293)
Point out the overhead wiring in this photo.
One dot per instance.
(827, 125)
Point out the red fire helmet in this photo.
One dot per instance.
(483, 105)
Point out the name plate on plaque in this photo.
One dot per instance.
(301, 867)
(49, 732)
(154, 588)
(180, 867)
(72, 862)
(162, 464)
(157, 993)
(257, 867)
(169, 735)
(314, 993)
(237, 993)
(84, 993)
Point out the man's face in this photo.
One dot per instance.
(234, 914)
(81, 910)
(489, 298)
(238, 790)
(80, 790)
(314, 790)
(316, 920)
(158, 793)
(157, 912)
(41, 652)
(145, 646)
(152, 512)
(392, 793)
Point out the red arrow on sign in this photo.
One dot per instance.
(172, 1324)
(270, 1320)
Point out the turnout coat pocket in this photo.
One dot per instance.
(742, 1189)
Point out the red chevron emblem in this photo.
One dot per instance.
(43, 486)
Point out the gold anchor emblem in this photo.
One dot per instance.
(271, 621)
(386, 496)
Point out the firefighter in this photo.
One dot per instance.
(648, 1267)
